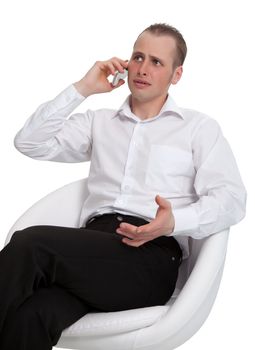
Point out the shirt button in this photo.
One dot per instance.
(120, 218)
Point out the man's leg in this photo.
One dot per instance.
(93, 265)
(39, 321)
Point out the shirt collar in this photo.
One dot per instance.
(169, 108)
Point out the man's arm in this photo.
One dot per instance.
(218, 184)
(51, 134)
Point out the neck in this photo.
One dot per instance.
(147, 109)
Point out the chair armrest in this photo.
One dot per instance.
(205, 275)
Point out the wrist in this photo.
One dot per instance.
(82, 88)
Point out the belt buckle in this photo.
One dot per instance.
(92, 219)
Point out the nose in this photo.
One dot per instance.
(142, 70)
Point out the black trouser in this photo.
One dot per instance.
(50, 276)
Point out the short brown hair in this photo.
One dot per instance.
(165, 29)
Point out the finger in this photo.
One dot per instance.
(126, 227)
(107, 67)
(148, 229)
(133, 243)
(127, 230)
(112, 68)
(125, 234)
(119, 64)
(120, 82)
(135, 236)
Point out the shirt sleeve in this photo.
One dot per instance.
(51, 133)
(218, 185)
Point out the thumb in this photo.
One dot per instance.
(162, 202)
(158, 199)
(120, 82)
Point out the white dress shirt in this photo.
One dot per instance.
(180, 154)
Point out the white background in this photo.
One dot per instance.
(47, 45)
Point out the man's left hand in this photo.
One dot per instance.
(162, 224)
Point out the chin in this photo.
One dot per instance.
(140, 97)
(139, 94)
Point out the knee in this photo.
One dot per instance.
(26, 232)
(24, 237)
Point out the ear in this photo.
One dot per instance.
(177, 75)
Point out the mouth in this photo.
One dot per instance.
(141, 83)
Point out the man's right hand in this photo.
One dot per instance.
(95, 81)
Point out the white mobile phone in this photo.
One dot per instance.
(119, 76)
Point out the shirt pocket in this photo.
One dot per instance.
(167, 168)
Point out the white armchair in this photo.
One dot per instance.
(153, 328)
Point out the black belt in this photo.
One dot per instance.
(118, 216)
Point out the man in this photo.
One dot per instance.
(158, 174)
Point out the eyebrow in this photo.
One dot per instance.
(142, 54)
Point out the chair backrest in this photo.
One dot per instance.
(61, 207)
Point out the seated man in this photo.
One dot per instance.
(158, 174)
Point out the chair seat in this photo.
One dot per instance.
(101, 323)
(110, 323)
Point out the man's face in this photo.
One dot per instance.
(150, 68)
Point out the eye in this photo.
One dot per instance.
(156, 62)
(138, 58)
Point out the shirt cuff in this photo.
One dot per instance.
(76, 92)
(67, 100)
(186, 222)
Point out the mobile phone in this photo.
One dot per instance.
(119, 76)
